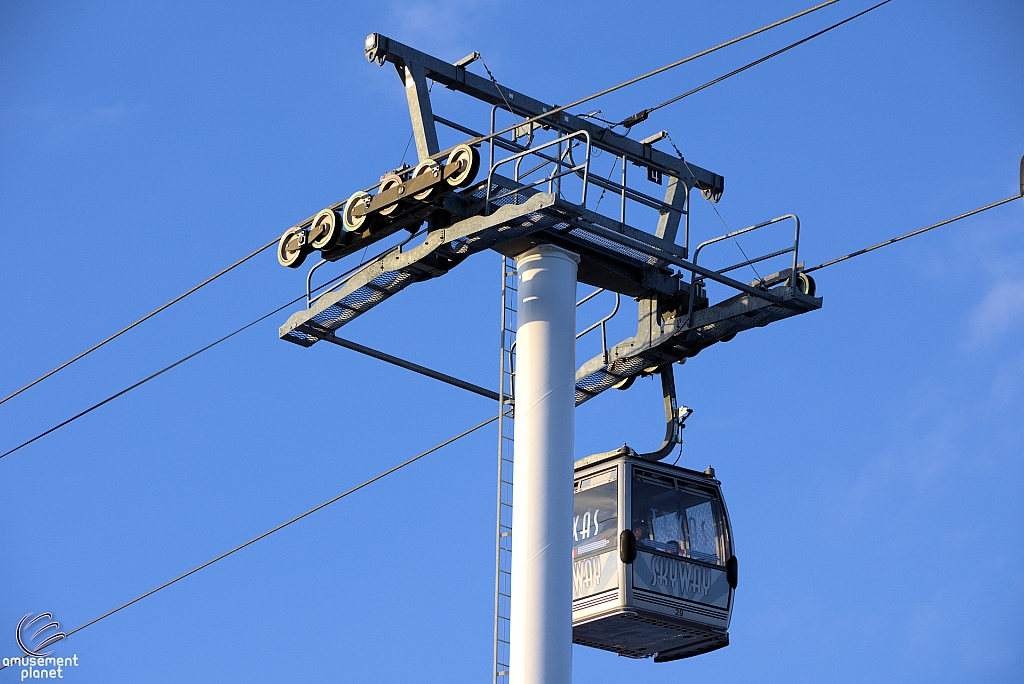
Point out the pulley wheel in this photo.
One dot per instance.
(390, 181)
(625, 383)
(428, 166)
(467, 161)
(325, 229)
(292, 248)
(350, 222)
(805, 284)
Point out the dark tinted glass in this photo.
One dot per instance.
(677, 521)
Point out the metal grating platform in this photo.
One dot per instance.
(441, 250)
(678, 339)
(516, 221)
(613, 256)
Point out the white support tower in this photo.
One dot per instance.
(541, 617)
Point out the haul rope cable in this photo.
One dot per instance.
(913, 233)
(148, 378)
(642, 115)
(362, 349)
(283, 525)
(561, 108)
(141, 320)
(167, 305)
(531, 120)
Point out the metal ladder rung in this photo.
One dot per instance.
(503, 560)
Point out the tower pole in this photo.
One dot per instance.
(541, 615)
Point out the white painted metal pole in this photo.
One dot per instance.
(541, 615)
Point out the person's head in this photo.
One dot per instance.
(673, 547)
(640, 530)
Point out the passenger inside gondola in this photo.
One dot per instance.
(676, 522)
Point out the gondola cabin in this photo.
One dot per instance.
(653, 567)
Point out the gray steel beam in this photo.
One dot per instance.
(409, 365)
(668, 222)
(413, 75)
(380, 48)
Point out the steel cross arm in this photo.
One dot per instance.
(382, 48)
(408, 365)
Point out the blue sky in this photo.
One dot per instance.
(870, 451)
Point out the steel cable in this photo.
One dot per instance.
(141, 320)
(160, 372)
(643, 114)
(283, 525)
(912, 233)
(369, 351)
(720, 218)
(561, 108)
(330, 282)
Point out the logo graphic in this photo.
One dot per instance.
(25, 625)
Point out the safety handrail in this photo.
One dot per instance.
(741, 231)
(759, 259)
(601, 323)
(633, 193)
(625, 192)
(558, 141)
(794, 249)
